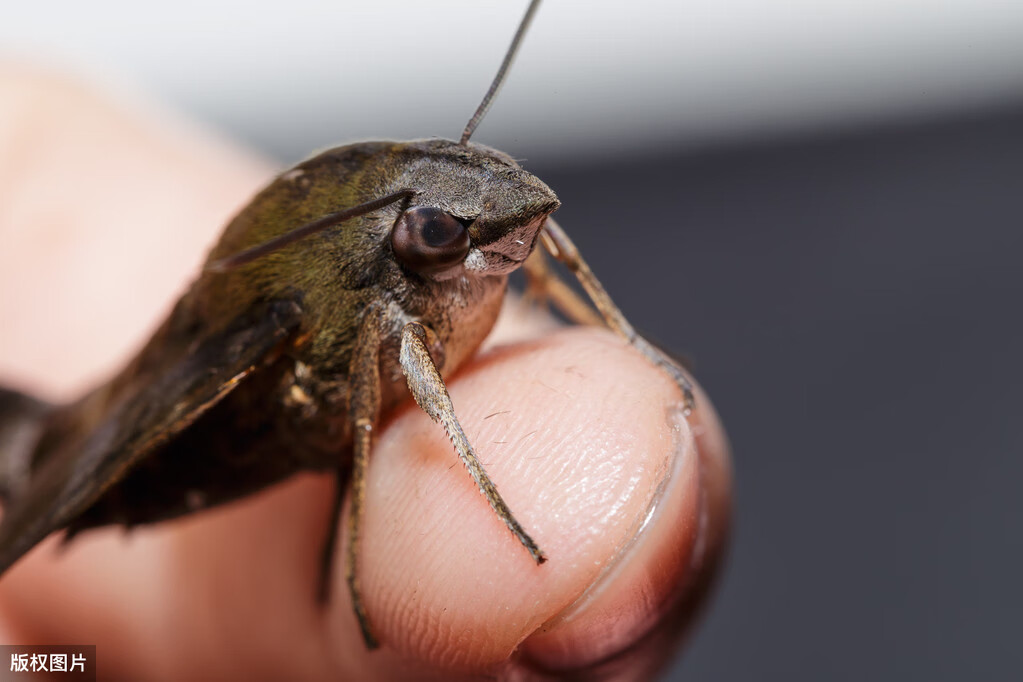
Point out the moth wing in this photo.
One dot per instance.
(141, 409)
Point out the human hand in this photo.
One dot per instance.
(105, 215)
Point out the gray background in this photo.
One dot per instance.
(818, 202)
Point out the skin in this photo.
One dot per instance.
(581, 434)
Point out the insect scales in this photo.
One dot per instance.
(365, 273)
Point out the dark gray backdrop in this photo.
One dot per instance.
(853, 305)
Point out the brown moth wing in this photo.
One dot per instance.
(90, 446)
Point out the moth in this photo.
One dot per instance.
(363, 274)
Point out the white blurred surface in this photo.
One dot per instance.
(591, 77)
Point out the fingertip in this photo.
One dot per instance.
(637, 615)
(585, 441)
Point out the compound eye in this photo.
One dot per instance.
(428, 240)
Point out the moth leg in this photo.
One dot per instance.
(427, 387)
(544, 286)
(557, 243)
(363, 411)
(330, 540)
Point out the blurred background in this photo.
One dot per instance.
(817, 202)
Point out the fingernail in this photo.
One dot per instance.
(645, 575)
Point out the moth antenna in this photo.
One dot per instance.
(509, 56)
(252, 253)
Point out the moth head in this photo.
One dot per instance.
(440, 209)
(474, 212)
